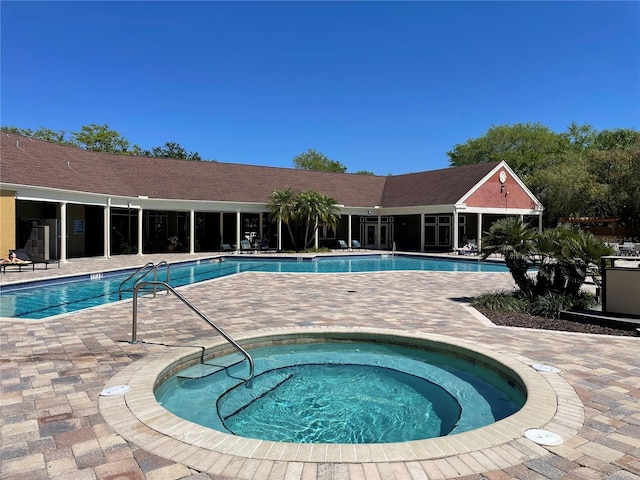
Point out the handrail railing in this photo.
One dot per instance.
(154, 269)
(195, 310)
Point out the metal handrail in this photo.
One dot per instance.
(134, 327)
(154, 269)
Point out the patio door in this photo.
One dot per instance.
(371, 232)
(437, 230)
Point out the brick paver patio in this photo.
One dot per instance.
(53, 423)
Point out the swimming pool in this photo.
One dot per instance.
(343, 393)
(42, 299)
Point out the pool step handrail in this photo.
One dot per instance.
(149, 267)
(169, 288)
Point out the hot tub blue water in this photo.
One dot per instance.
(345, 392)
(42, 299)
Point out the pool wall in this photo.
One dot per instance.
(139, 418)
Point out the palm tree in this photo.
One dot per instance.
(282, 208)
(314, 208)
(514, 240)
(567, 254)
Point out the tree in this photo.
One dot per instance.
(560, 257)
(513, 239)
(314, 160)
(43, 133)
(282, 208)
(99, 138)
(311, 208)
(315, 208)
(174, 150)
(564, 256)
(524, 146)
(581, 172)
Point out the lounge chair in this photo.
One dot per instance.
(264, 246)
(343, 245)
(20, 265)
(355, 244)
(225, 247)
(22, 255)
(468, 249)
(245, 246)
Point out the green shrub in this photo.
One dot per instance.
(501, 301)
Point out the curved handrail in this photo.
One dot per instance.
(148, 264)
(195, 310)
(154, 269)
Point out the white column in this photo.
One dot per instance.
(140, 231)
(315, 241)
(279, 235)
(456, 229)
(192, 231)
(221, 228)
(107, 229)
(378, 244)
(540, 222)
(479, 232)
(349, 234)
(238, 230)
(63, 231)
(422, 232)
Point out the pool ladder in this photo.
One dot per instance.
(193, 308)
(143, 272)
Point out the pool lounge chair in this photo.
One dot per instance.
(22, 255)
(264, 246)
(468, 249)
(343, 245)
(19, 266)
(356, 244)
(245, 246)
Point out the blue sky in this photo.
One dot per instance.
(387, 87)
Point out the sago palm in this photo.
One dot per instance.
(513, 239)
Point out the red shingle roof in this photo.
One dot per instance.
(27, 161)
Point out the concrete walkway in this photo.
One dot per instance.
(52, 373)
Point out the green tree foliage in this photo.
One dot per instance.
(173, 150)
(311, 208)
(314, 160)
(100, 138)
(42, 133)
(577, 173)
(315, 208)
(282, 208)
(524, 146)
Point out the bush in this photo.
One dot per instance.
(501, 301)
(549, 305)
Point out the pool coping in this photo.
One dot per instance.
(552, 404)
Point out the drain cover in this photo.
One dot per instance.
(117, 390)
(545, 368)
(543, 437)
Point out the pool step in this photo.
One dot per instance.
(243, 395)
(211, 366)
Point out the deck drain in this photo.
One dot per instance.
(545, 368)
(117, 390)
(543, 437)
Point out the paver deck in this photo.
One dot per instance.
(54, 424)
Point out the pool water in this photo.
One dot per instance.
(37, 300)
(344, 392)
